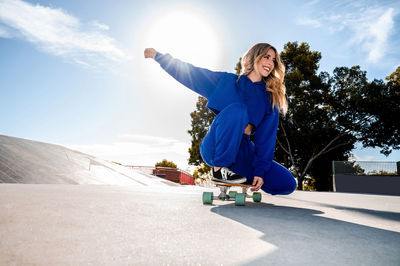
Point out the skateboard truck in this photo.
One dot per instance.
(226, 195)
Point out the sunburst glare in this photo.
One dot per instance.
(187, 36)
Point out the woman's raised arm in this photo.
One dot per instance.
(200, 80)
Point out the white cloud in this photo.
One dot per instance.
(308, 22)
(372, 30)
(370, 27)
(99, 25)
(4, 33)
(380, 31)
(139, 150)
(57, 32)
(313, 2)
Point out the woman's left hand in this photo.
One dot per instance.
(257, 183)
(150, 53)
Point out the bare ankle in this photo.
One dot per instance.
(216, 168)
(248, 129)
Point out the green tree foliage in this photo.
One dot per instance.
(166, 163)
(328, 115)
(238, 67)
(381, 104)
(370, 110)
(383, 173)
(202, 119)
(308, 134)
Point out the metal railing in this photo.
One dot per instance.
(366, 168)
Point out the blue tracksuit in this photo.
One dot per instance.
(237, 101)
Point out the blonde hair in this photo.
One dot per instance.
(274, 81)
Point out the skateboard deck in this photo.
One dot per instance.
(217, 183)
(226, 195)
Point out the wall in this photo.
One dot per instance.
(388, 185)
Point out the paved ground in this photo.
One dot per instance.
(70, 208)
(116, 225)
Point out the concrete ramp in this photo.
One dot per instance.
(32, 162)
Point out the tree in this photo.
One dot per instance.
(381, 103)
(328, 115)
(202, 119)
(369, 110)
(166, 163)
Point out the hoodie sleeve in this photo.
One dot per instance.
(264, 142)
(200, 80)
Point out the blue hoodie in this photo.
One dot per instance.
(222, 89)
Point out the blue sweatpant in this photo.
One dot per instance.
(226, 145)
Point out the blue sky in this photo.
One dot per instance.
(73, 72)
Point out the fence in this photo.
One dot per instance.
(366, 168)
(366, 177)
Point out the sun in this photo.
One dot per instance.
(187, 36)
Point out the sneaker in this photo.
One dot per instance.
(227, 176)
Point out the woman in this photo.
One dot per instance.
(246, 104)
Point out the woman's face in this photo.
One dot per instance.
(266, 64)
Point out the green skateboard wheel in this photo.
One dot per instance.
(240, 199)
(207, 197)
(232, 194)
(256, 196)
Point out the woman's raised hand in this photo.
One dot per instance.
(150, 53)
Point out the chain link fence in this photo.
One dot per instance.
(366, 168)
(366, 177)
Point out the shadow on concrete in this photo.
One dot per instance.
(305, 238)
(393, 216)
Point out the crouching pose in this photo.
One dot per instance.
(245, 104)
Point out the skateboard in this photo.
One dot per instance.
(226, 195)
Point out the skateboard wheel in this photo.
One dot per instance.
(240, 199)
(207, 197)
(232, 194)
(256, 196)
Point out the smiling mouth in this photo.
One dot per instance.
(267, 69)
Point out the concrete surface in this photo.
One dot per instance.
(132, 225)
(32, 162)
(70, 208)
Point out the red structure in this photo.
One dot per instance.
(186, 179)
(174, 174)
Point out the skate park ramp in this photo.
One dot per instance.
(144, 222)
(32, 162)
